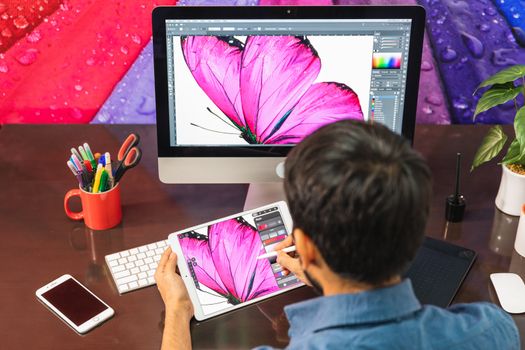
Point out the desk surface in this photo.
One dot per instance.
(39, 243)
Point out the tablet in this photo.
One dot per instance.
(218, 260)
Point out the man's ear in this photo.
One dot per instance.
(305, 248)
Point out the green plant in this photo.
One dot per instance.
(505, 86)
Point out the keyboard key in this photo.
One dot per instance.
(113, 263)
(151, 280)
(162, 244)
(132, 258)
(133, 284)
(142, 275)
(144, 268)
(151, 273)
(153, 266)
(159, 251)
(152, 246)
(121, 274)
(141, 256)
(130, 265)
(113, 256)
(150, 253)
(143, 282)
(118, 268)
(122, 261)
(148, 260)
(156, 258)
(135, 270)
(126, 279)
(123, 287)
(139, 263)
(124, 253)
(134, 251)
(143, 249)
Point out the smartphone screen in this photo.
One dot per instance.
(74, 301)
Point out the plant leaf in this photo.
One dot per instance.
(519, 128)
(513, 153)
(504, 76)
(497, 95)
(490, 146)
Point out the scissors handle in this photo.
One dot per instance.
(132, 158)
(131, 141)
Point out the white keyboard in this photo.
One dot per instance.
(134, 268)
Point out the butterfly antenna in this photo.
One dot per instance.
(218, 116)
(219, 132)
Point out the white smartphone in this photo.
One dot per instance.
(76, 305)
(219, 260)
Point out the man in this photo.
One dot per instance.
(359, 197)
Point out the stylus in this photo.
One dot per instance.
(274, 253)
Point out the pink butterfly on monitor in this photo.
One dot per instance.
(226, 262)
(265, 86)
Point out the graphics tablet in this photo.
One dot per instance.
(218, 260)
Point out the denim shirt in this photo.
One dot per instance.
(392, 318)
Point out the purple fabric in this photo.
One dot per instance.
(271, 78)
(227, 261)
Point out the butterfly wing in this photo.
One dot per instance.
(275, 72)
(197, 253)
(234, 249)
(215, 64)
(322, 104)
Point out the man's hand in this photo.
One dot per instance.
(288, 263)
(172, 288)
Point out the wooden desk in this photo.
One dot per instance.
(39, 243)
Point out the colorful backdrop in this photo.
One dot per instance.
(90, 61)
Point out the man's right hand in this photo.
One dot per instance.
(289, 264)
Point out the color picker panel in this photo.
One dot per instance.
(386, 60)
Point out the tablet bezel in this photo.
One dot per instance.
(173, 240)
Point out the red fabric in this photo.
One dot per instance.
(63, 71)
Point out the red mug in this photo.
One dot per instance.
(100, 211)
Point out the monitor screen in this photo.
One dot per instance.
(271, 82)
(237, 87)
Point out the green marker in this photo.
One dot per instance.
(89, 154)
(103, 181)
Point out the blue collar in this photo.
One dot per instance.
(374, 306)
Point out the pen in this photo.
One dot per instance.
(88, 166)
(102, 160)
(96, 183)
(109, 170)
(76, 161)
(72, 167)
(79, 179)
(75, 152)
(97, 157)
(83, 153)
(90, 155)
(274, 253)
(103, 180)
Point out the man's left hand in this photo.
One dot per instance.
(172, 288)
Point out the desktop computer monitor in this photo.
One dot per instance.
(238, 87)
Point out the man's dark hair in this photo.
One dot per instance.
(362, 194)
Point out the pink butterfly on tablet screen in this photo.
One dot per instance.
(226, 262)
(265, 86)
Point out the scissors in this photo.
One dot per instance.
(128, 155)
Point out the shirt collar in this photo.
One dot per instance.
(374, 306)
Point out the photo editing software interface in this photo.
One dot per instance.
(222, 259)
(273, 82)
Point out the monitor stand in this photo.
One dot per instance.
(263, 193)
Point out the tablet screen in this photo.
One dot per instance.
(222, 259)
